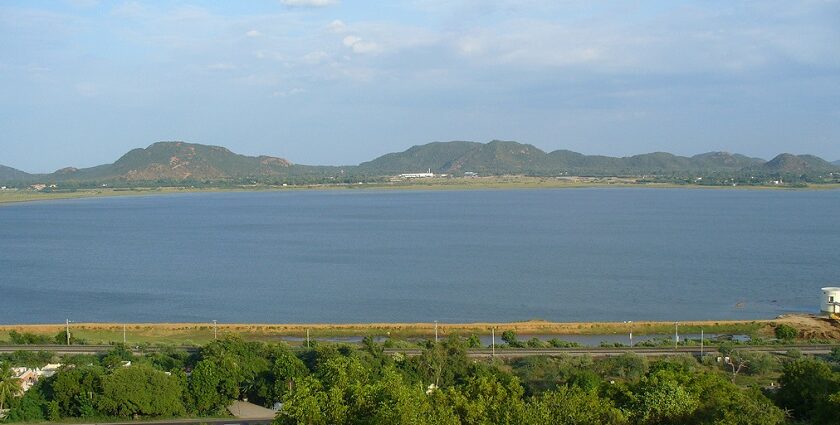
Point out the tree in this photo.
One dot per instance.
(488, 400)
(76, 390)
(786, 332)
(806, 386)
(509, 337)
(9, 384)
(572, 406)
(31, 407)
(662, 399)
(140, 391)
(204, 388)
(286, 371)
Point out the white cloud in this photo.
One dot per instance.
(359, 45)
(337, 26)
(309, 3)
(314, 58)
(253, 33)
(287, 93)
(222, 66)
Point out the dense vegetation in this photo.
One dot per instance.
(333, 384)
(187, 164)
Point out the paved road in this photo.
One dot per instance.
(504, 353)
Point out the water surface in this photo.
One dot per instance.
(452, 256)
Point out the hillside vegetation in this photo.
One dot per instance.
(180, 163)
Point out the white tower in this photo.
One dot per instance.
(830, 303)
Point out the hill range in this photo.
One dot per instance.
(181, 161)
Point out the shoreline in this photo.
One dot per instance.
(11, 197)
(195, 332)
(809, 326)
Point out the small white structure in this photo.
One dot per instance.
(830, 303)
(430, 174)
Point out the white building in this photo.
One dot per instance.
(830, 303)
(417, 175)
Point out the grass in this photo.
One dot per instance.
(200, 333)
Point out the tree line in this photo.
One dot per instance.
(342, 384)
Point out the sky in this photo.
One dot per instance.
(336, 82)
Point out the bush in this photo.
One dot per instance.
(786, 332)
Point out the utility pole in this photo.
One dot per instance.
(701, 343)
(307, 338)
(676, 334)
(67, 330)
(123, 333)
(215, 333)
(493, 343)
(630, 322)
(436, 333)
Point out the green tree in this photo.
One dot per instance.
(662, 399)
(488, 400)
(31, 407)
(786, 332)
(572, 406)
(204, 386)
(806, 387)
(76, 390)
(286, 371)
(140, 391)
(9, 384)
(509, 337)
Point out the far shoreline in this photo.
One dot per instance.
(809, 325)
(10, 197)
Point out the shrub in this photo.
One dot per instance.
(786, 332)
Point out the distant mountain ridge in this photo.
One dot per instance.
(181, 161)
(178, 161)
(11, 174)
(502, 157)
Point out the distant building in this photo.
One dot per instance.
(830, 303)
(29, 377)
(470, 174)
(417, 175)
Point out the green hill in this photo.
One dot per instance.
(796, 165)
(11, 174)
(179, 161)
(504, 157)
(173, 162)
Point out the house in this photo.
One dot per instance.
(29, 377)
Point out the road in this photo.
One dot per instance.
(480, 353)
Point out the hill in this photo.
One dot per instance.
(172, 163)
(836, 163)
(503, 157)
(178, 161)
(11, 174)
(796, 164)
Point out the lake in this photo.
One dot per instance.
(452, 256)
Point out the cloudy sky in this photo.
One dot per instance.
(343, 81)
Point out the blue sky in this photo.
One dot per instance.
(343, 81)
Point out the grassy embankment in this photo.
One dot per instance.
(499, 182)
(200, 333)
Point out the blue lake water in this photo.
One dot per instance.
(451, 256)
